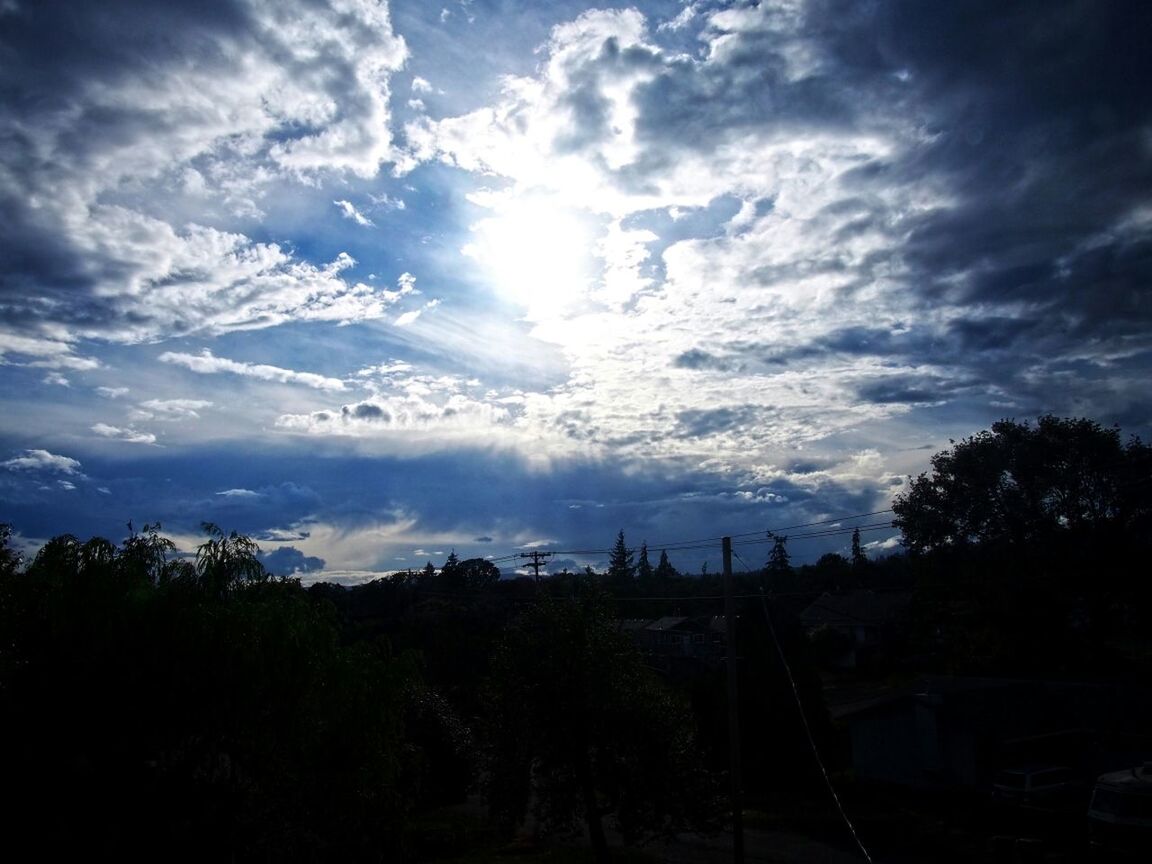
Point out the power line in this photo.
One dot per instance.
(707, 542)
(807, 726)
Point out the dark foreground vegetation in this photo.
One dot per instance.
(165, 706)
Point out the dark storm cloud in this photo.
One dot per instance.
(1035, 117)
(366, 411)
(903, 389)
(1024, 129)
(686, 104)
(696, 358)
(704, 422)
(288, 560)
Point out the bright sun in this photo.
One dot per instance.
(536, 254)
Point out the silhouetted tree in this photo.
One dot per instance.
(621, 570)
(10, 559)
(225, 562)
(204, 709)
(779, 561)
(859, 559)
(644, 569)
(1019, 482)
(664, 569)
(478, 573)
(579, 720)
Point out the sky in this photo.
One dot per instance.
(376, 281)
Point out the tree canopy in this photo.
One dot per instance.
(1022, 481)
(583, 724)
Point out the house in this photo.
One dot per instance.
(677, 644)
(947, 732)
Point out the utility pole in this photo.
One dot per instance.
(733, 710)
(538, 559)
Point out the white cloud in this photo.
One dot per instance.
(387, 202)
(112, 392)
(42, 460)
(43, 352)
(240, 493)
(132, 436)
(170, 409)
(754, 247)
(410, 316)
(138, 178)
(206, 363)
(349, 211)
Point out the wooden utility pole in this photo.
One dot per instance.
(538, 559)
(733, 710)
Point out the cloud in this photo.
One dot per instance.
(349, 211)
(112, 392)
(290, 561)
(140, 143)
(42, 460)
(41, 352)
(829, 215)
(170, 409)
(240, 493)
(132, 436)
(206, 363)
(410, 316)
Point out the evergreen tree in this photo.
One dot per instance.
(779, 559)
(620, 565)
(859, 559)
(665, 570)
(643, 567)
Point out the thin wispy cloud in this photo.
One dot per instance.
(130, 435)
(206, 363)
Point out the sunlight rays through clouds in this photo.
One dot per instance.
(767, 251)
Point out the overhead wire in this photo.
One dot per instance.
(705, 542)
(807, 725)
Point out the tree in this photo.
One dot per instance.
(664, 569)
(478, 573)
(621, 570)
(1020, 482)
(225, 562)
(643, 566)
(578, 719)
(10, 559)
(859, 559)
(778, 559)
(451, 576)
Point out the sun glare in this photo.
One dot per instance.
(535, 254)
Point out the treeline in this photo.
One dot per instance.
(160, 706)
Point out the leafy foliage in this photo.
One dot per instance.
(580, 725)
(201, 708)
(1020, 482)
